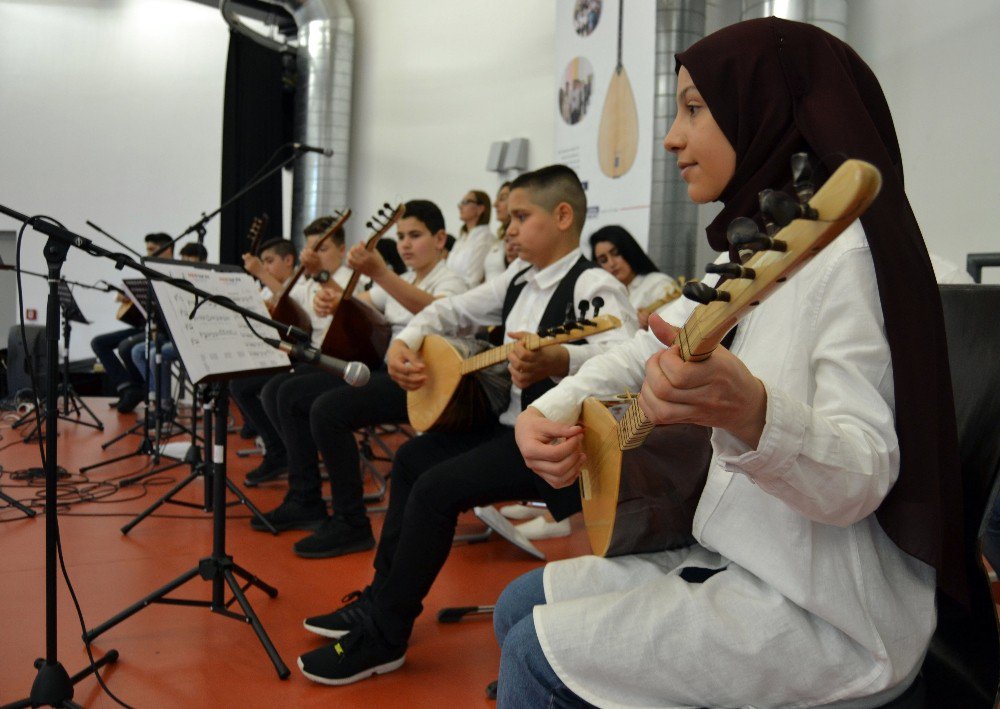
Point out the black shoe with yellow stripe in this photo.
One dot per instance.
(359, 654)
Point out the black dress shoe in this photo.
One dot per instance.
(291, 515)
(130, 399)
(265, 472)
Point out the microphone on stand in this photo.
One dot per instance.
(303, 148)
(354, 373)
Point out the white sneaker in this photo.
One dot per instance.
(541, 528)
(521, 511)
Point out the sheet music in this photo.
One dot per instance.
(71, 311)
(216, 343)
(136, 290)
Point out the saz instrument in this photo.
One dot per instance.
(618, 134)
(286, 309)
(670, 293)
(642, 499)
(450, 401)
(128, 313)
(359, 332)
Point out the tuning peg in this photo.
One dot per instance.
(598, 303)
(368, 225)
(731, 270)
(743, 234)
(584, 306)
(386, 205)
(770, 228)
(802, 177)
(701, 293)
(783, 209)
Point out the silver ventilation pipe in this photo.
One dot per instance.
(325, 64)
(673, 218)
(829, 15)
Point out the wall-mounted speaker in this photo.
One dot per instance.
(495, 159)
(516, 157)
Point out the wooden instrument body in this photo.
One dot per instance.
(449, 401)
(358, 332)
(288, 311)
(618, 134)
(129, 314)
(643, 499)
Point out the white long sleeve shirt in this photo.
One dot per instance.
(816, 605)
(468, 254)
(483, 305)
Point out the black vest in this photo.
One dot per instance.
(565, 501)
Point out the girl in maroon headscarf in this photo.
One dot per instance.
(834, 448)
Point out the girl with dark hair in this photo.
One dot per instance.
(613, 249)
(820, 530)
(474, 239)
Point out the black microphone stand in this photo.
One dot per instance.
(53, 686)
(199, 226)
(125, 246)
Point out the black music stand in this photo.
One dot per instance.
(73, 406)
(141, 295)
(208, 365)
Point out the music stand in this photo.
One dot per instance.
(215, 345)
(138, 291)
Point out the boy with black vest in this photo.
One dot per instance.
(436, 476)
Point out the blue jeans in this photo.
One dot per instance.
(526, 677)
(168, 355)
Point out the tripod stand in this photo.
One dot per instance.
(198, 466)
(218, 568)
(53, 685)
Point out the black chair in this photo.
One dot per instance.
(962, 667)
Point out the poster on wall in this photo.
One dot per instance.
(605, 52)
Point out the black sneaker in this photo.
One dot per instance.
(292, 515)
(341, 621)
(359, 654)
(130, 398)
(267, 471)
(335, 538)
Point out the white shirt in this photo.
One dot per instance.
(441, 281)
(305, 290)
(495, 262)
(645, 289)
(816, 604)
(467, 255)
(483, 305)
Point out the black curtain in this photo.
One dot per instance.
(257, 118)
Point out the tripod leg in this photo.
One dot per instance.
(140, 604)
(149, 510)
(250, 506)
(234, 586)
(254, 581)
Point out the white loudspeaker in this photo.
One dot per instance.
(495, 159)
(516, 157)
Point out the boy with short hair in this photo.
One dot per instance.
(436, 476)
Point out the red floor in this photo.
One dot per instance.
(174, 656)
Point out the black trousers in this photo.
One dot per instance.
(330, 423)
(434, 478)
(246, 392)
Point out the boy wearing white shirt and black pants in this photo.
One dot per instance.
(437, 476)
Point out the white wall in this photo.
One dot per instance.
(111, 110)
(938, 63)
(434, 85)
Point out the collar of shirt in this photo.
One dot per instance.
(551, 274)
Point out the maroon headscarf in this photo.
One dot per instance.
(776, 87)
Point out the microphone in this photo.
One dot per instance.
(354, 373)
(303, 148)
